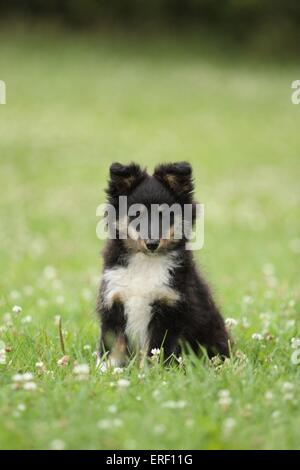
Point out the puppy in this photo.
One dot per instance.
(152, 295)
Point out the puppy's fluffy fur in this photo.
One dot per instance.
(152, 300)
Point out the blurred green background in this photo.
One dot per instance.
(82, 94)
(77, 102)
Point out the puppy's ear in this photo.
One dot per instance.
(123, 179)
(177, 177)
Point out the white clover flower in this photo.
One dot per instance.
(57, 444)
(30, 386)
(225, 402)
(17, 378)
(112, 409)
(21, 407)
(189, 422)
(231, 322)
(276, 414)
(287, 386)
(2, 356)
(266, 318)
(269, 395)
(117, 422)
(17, 309)
(118, 370)
(225, 399)
(257, 337)
(245, 322)
(289, 324)
(247, 299)
(295, 343)
(7, 319)
(105, 424)
(229, 425)
(155, 352)
(123, 383)
(174, 404)
(224, 393)
(87, 294)
(27, 377)
(14, 295)
(40, 366)
(110, 423)
(81, 371)
(103, 367)
(63, 361)
(247, 411)
(216, 361)
(288, 396)
(27, 319)
(49, 272)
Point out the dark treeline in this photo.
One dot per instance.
(241, 19)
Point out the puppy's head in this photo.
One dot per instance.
(153, 220)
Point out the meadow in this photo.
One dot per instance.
(76, 102)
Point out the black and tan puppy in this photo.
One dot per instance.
(152, 295)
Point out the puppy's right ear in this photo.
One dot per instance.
(123, 179)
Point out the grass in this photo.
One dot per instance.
(75, 103)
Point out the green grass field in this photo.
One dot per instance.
(76, 103)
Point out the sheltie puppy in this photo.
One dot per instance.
(152, 295)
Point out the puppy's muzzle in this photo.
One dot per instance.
(152, 245)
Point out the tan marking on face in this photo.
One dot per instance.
(128, 181)
(171, 180)
(168, 241)
(135, 245)
(118, 351)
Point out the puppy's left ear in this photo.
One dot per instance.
(177, 177)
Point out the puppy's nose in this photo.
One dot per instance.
(152, 245)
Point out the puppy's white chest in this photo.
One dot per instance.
(145, 280)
